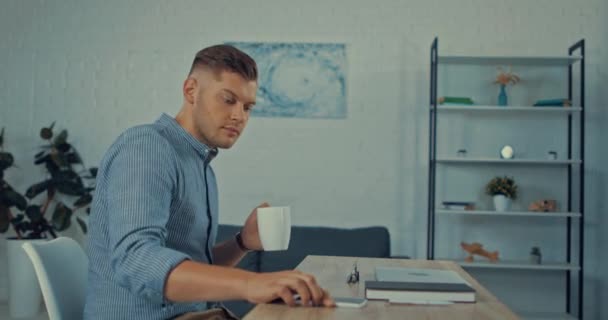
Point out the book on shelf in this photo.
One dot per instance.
(418, 285)
(553, 103)
(458, 205)
(455, 101)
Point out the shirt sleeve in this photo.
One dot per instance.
(141, 181)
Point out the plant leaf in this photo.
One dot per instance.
(33, 213)
(61, 217)
(4, 220)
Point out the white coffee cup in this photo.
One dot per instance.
(274, 227)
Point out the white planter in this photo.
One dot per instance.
(24, 295)
(501, 203)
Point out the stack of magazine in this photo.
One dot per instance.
(419, 286)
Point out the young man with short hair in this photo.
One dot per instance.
(154, 219)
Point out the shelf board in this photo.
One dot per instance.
(535, 315)
(517, 265)
(509, 60)
(472, 108)
(511, 213)
(507, 161)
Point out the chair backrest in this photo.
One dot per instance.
(61, 267)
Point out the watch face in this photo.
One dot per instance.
(506, 152)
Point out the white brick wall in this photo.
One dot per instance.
(98, 67)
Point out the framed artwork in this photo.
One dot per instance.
(299, 80)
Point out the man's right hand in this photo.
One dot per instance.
(266, 287)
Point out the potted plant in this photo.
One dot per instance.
(503, 190)
(35, 227)
(64, 185)
(503, 79)
(25, 296)
(28, 219)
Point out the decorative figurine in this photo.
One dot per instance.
(543, 205)
(535, 256)
(353, 277)
(476, 248)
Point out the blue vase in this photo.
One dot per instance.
(502, 96)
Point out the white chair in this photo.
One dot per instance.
(61, 267)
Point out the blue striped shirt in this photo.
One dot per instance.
(155, 194)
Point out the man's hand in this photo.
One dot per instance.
(250, 233)
(266, 287)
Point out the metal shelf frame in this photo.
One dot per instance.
(574, 59)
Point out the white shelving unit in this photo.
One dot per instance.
(571, 216)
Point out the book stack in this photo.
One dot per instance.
(419, 286)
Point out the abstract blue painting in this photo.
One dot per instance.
(299, 80)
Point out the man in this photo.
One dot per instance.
(155, 212)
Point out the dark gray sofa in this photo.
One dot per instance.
(360, 242)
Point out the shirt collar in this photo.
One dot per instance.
(207, 153)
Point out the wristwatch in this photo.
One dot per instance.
(240, 243)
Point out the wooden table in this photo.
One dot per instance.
(331, 273)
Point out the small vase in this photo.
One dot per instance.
(502, 96)
(501, 203)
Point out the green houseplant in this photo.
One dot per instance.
(503, 191)
(60, 159)
(35, 226)
(63, 182)
(25, 296)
